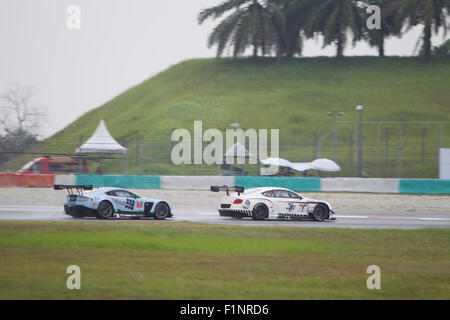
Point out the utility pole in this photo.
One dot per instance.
(335, 114)
(80, 162)
(378, 149)
(400, 151)
(350, 148)
(386, 147)
(140, 153)
(315, 140)
(360, 141)
(423, 144)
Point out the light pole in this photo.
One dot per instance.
(360, 138)
(335, 114)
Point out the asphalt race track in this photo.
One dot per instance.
(208, 214)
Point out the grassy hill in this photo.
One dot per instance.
(292, 95)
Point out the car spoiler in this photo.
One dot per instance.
(70, 188)
(237, 189)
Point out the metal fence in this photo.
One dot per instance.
(389, 149)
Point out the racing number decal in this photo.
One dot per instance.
(130, 204)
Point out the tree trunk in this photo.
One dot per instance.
(427, 41)
(340, 45)
(300, 44)
(255, 51)
(381, 45)
(339, 49)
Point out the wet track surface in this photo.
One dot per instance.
(208, 214)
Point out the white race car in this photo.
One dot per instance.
(270, 203)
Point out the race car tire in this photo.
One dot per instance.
(162, 211)
(105, 210)
(67, 210)
(321, 212)
(260, 212)
(76, 215)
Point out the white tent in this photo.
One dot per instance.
(318, 164)
(325, 165)
(300, 166)
(238, 151)
(101, 142)
(277, 162)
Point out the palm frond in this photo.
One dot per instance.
(223, 31)
(218, 11)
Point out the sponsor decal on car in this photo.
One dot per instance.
(290, 207)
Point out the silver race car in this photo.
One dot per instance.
(107, 203)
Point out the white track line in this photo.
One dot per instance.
(392, 218)
(351, 217)
(15, 208)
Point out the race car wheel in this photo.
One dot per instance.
(162, 211)
(76, 215)
(260, 212)
(73, 212)
(105, 210)
(67, 210)
(320, 212)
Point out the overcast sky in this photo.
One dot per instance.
(120, 44)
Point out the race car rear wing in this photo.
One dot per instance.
(237, 189)
(70, 188)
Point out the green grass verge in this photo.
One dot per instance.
(292, 95)
(152, 260)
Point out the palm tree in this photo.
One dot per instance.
(296, 13)
(377, 37)
(250, 25)
(430, 13)
(333, 19)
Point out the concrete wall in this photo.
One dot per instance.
(444, 163)
(294, 183)
(68, 179)
(360, 185)
(120, 181)
(194, 182)
(424, 186)
(418, 186)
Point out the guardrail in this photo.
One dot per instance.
(307, 184)
(424, 186)
(26, 180)
(120, 181)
